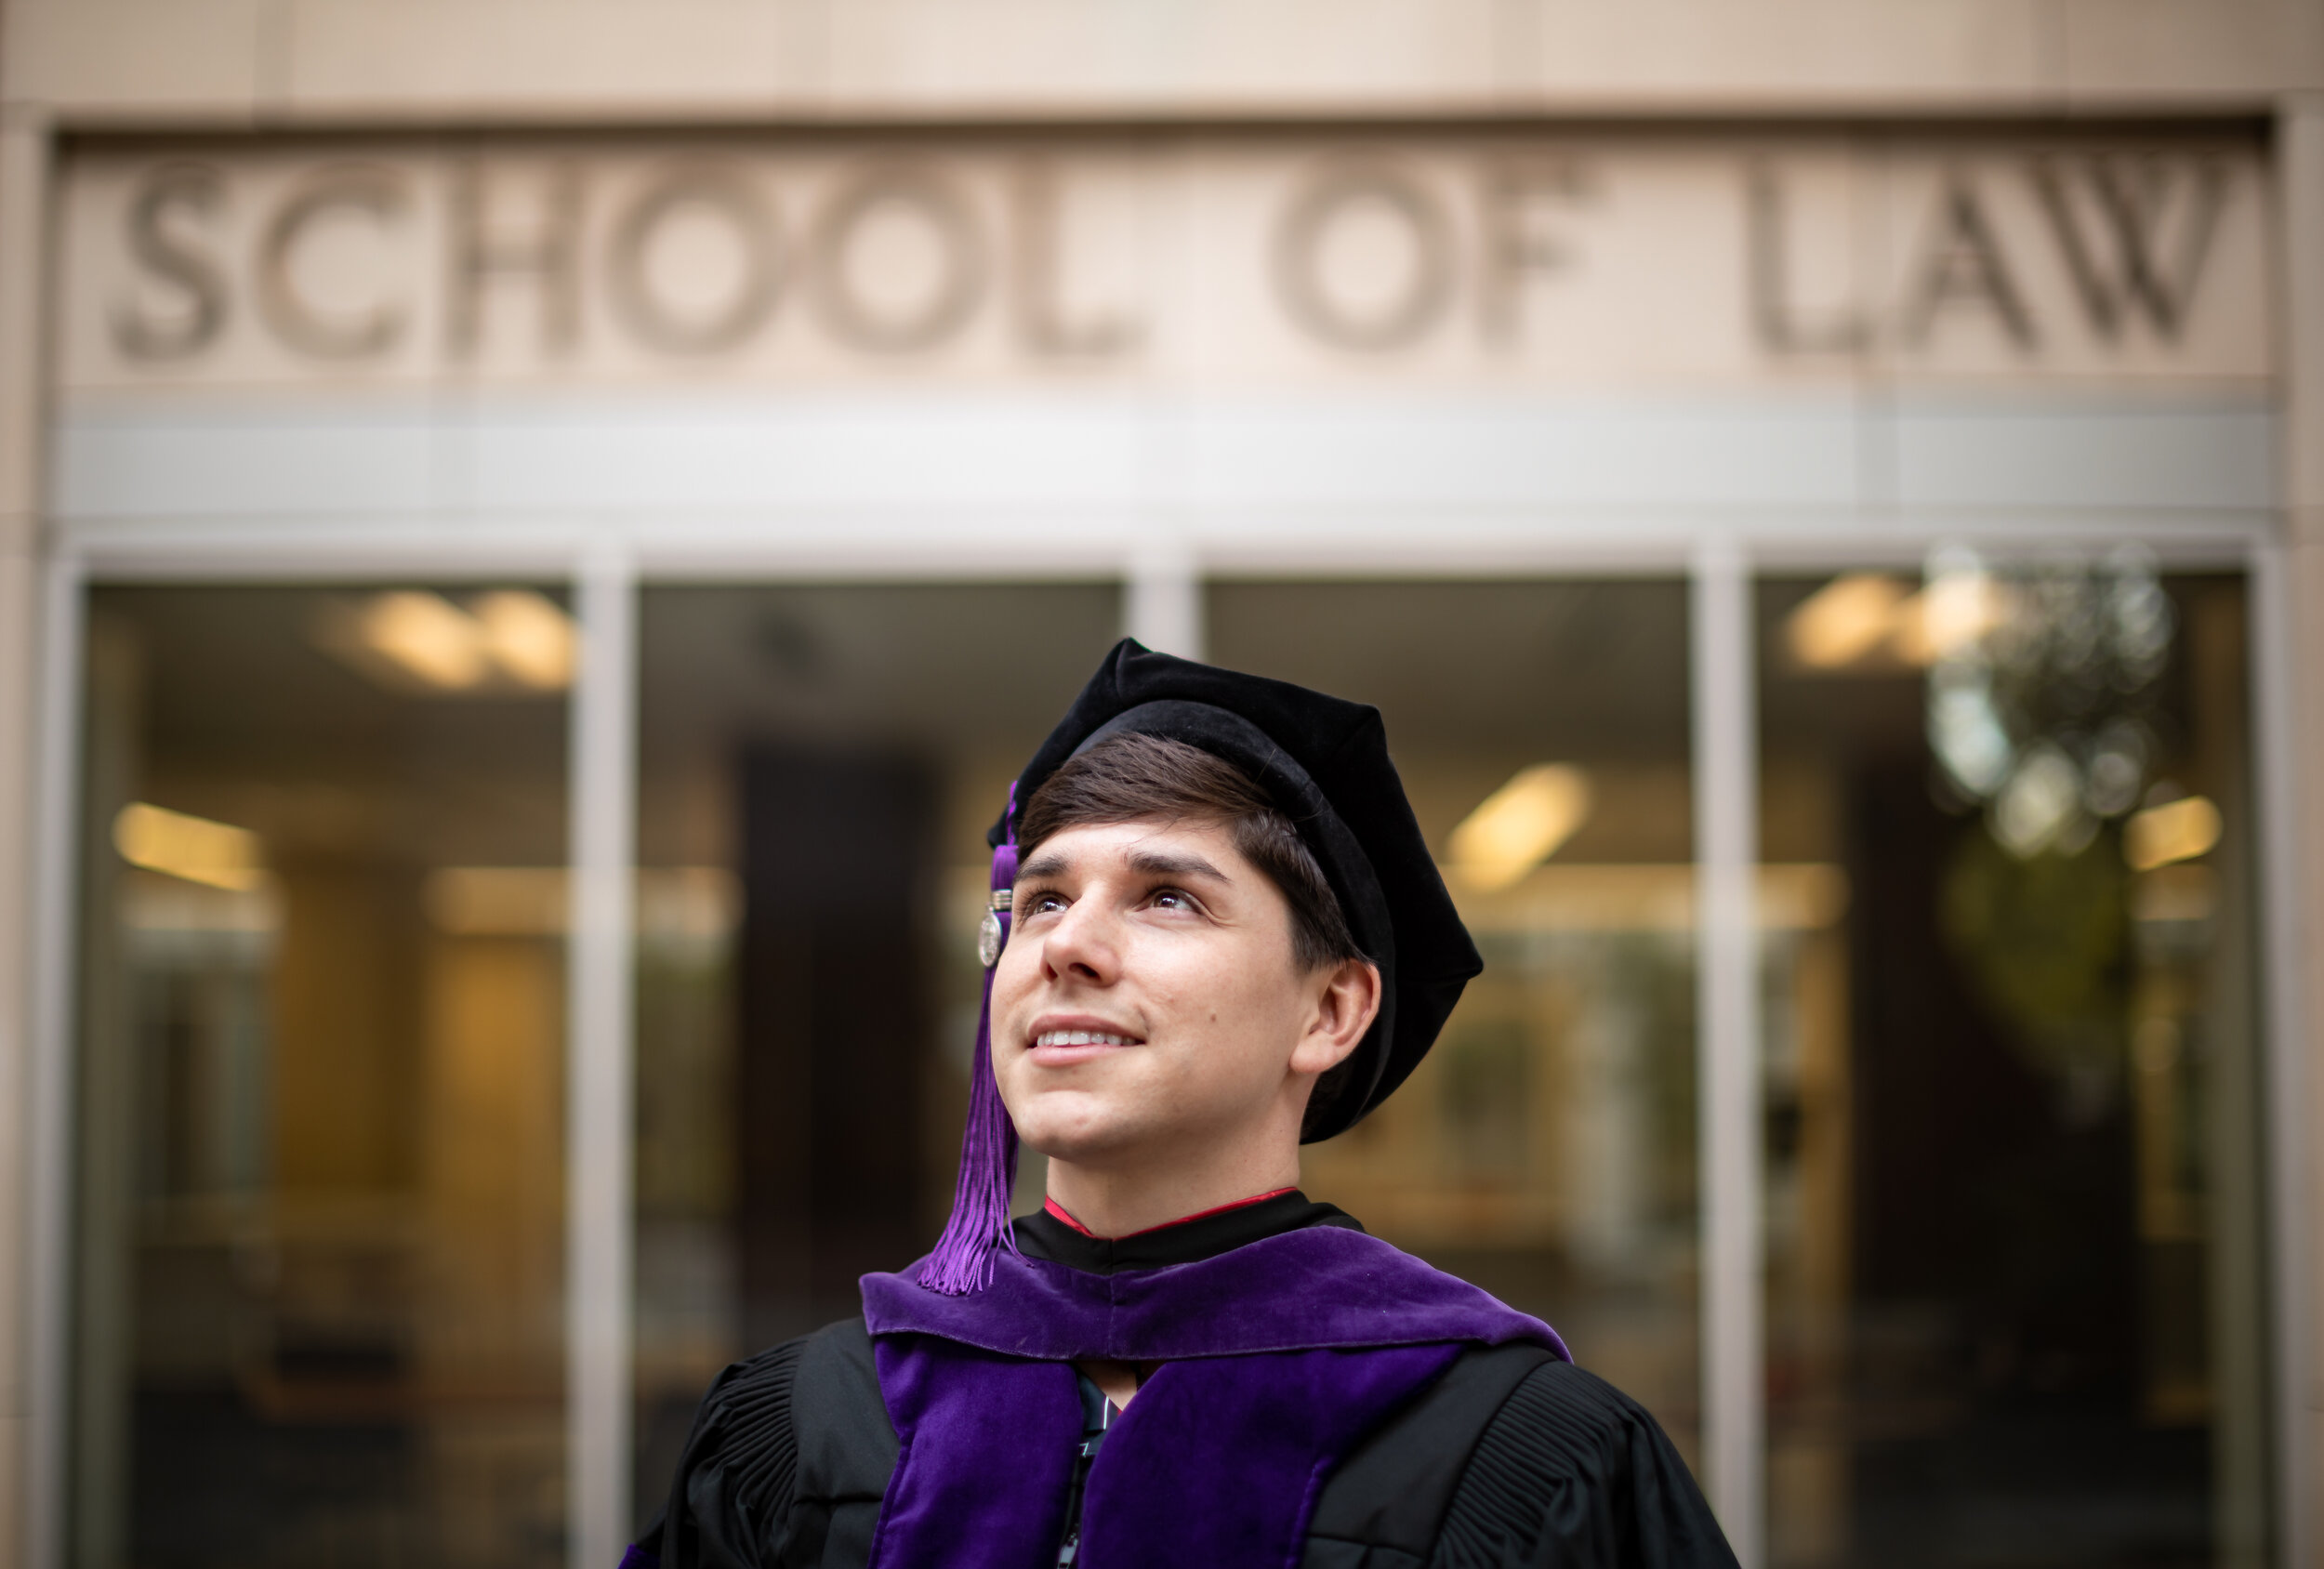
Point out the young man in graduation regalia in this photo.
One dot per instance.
(1216, 934)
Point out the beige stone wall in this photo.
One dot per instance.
(233, 62)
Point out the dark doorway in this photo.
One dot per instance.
(830, 1029)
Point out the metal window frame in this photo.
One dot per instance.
(601, 1132)
(1725, 699)
(2284, 916)
(51, 1135)
(1719, 562)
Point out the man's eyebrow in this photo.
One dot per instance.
(1173, 864)
(1147, 862)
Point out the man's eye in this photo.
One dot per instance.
(1172, 899)
(1042, 902)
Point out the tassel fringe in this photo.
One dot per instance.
(965, 1255)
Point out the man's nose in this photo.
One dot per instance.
(1082, 943)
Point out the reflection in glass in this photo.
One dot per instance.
(817, 767)
(1546, 1148)
(2014, 1293)
(319, 1183)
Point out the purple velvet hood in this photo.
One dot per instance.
(1323, 1287)
(1277, 1358)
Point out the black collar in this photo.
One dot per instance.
(1042, 1236)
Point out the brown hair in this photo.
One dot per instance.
(1135, 778)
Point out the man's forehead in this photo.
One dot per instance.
(1190, 846)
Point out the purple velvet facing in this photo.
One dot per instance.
(638, 1558)
(984, 1452)
(962, 1260)
(1217, 1462)
(1277, 1358)
(1320, 1288)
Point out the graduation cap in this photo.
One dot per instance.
(1324, 762)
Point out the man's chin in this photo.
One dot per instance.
(1091, 1137)
(1081, 1147)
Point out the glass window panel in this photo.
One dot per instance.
(319, 1183)
(817, 767)
(2013, 1209)
(1546, 1147)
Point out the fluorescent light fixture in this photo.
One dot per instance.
(1845, 621)
(1868, 619)
(496, 901)
(2179, 830)
(674, 903)
(199, 850)
(528, 637)
(425, 635)
(1520, 825)
(495, 644)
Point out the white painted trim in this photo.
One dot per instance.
(50, 1132)
(1162, 600)
(600, 1131)
(1727, 1044)
(2277, 692)
(971, 545)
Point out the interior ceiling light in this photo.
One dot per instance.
(681, 904)
(427, 635)
(496, 901)
(1520, 825)
(2179, 830)
(502, 641)
(1846, 621)
(1870, 619)
(194, 848)
(528, 637)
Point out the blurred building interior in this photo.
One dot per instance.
(534, 537)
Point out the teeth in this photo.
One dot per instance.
(1081, 1037)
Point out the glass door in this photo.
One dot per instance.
(2014, 1269)
(319, 1240)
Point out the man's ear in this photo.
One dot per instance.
(1348, 1004)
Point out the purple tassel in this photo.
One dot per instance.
(963, 1259)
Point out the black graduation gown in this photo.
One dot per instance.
(1510, 1458)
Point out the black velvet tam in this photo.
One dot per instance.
(1324, 761)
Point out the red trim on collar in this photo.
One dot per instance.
(1057, 1211)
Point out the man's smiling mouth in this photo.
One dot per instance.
(1084, 1038)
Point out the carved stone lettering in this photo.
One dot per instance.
(1963, 265)
(1551, 258)
(1036, 279)
(957, 287)
(294, 318)
(1514, 248)
(484, 252)
(2123, 271)
(1775, 319)
(170, 257)
(740, 208)
(1308, 220)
